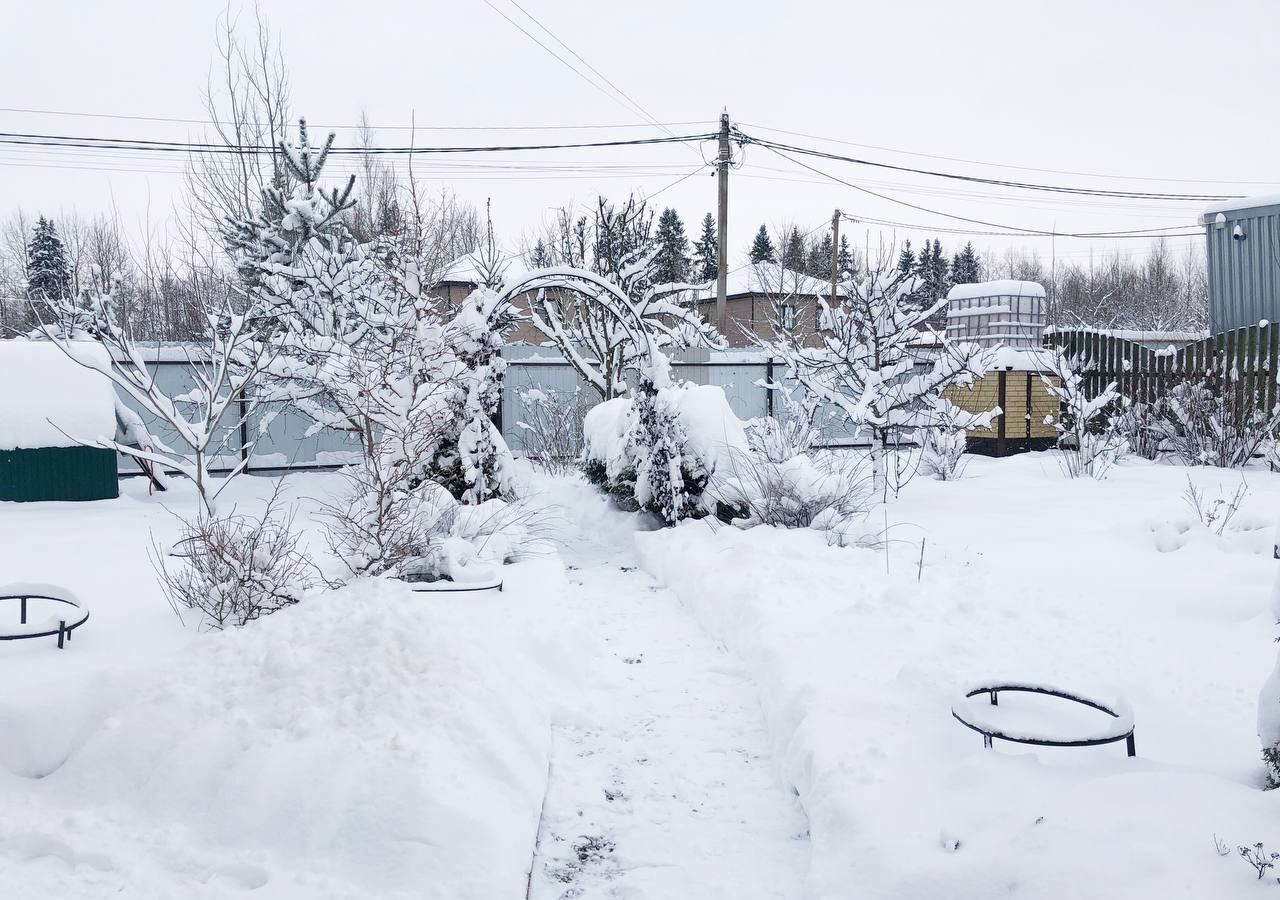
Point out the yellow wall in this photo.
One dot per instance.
(985, 395)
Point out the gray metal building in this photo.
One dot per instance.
(1243, 257)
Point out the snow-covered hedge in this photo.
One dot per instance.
(696, 418)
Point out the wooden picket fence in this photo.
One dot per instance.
(1241, 361)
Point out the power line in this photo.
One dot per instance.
(493, 128)
(996, 165)
(1117, 235)
(617, 90)
(998, 182)
(145, 145)
(1017, 230)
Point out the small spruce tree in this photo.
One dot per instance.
(672, 263)
(906, 260)
(49, 277)
(762, 247)
(706, 251)
(793, 255)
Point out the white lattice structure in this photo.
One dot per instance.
(1011, 313)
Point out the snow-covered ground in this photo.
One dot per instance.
(662, 781)
(365, 743)
(748, 714)
(1102, 587)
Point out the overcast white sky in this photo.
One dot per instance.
(1164, 89)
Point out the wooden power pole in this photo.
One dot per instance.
(835, 255)
(722, 227)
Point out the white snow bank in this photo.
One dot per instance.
(1002, 288)
(48, 400)
(368, 736)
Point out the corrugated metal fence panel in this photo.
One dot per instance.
(280, 436)
(558, 380)
(283, 438)
(58, 473)
(175, 380)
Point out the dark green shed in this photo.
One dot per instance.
(51, 408)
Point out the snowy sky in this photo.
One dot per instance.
(1165, 89)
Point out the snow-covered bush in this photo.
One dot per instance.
(1087, 444)
(235, 568)
(1202, 423)
(550, 433)
(942, 452)
(661, 450)
(796, 431)
(822, 491)
(1139, 425)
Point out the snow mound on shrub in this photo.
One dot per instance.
(604, 434)
(367, 736)
(712, 431)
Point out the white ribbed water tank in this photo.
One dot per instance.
(1011, 313)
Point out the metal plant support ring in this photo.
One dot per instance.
(67, 621)
(1120, 730)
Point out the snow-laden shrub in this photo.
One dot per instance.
(1138, 424)
(661, 450)
(1204, 425)
(942, 452)
(1087, 444)
(796, 431)
(235, 568)
(380, 528)
(827, 492)
(550, 431)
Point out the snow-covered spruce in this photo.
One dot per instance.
(363, 348)
(662, 450)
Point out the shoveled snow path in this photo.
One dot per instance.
(661, 787)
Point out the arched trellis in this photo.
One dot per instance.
(607, 296)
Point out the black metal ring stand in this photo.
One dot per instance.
(65, 627)
(990, 734)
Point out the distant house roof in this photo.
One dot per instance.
(466, 270)
(48, 400)
(770, 279)
(1003, 288)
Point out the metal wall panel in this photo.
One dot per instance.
(1244, 275)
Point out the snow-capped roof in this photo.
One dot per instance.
(48, 400)
(1003, 288)
(466, 269)
(1256, 202)
(768, 278)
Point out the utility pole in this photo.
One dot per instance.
(835, 254)
(722, 227)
